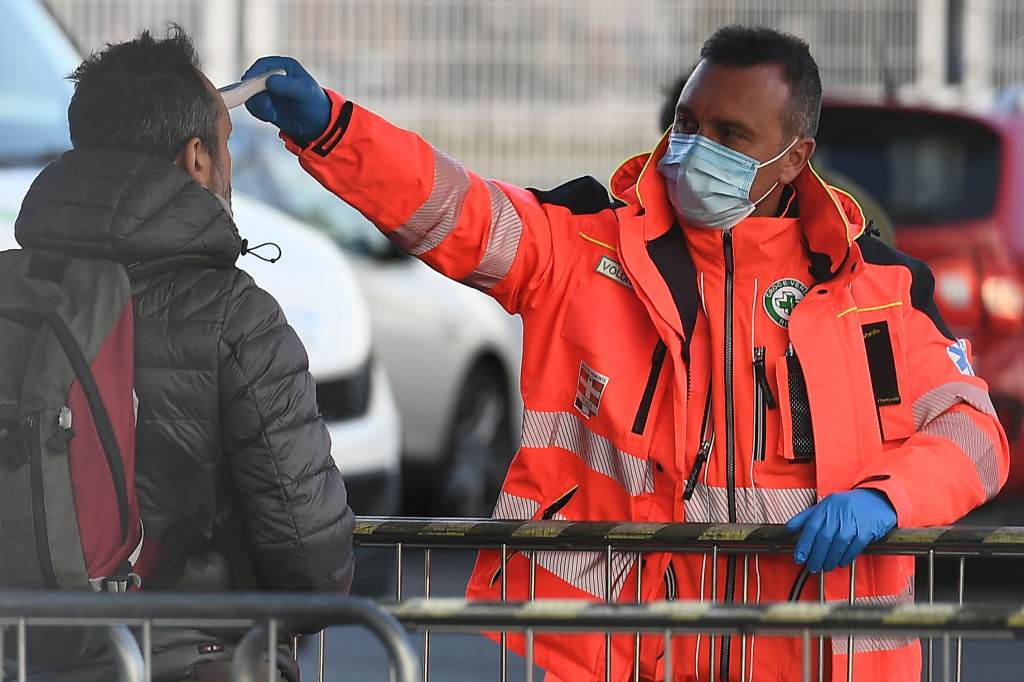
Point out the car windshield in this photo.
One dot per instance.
(922, 168)
(34, 92)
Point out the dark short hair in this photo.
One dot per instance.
(755, 45)
(144, 95)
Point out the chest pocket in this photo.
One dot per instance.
(885, 350)
(610, 325)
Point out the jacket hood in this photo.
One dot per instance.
(831, 219)
(124, 206)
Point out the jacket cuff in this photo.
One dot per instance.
(341, 114)
(898, 498)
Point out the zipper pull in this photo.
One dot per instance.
(762, 377)
(691, 482)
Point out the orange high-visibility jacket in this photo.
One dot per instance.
(823, 354)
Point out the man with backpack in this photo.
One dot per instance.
(234, 477)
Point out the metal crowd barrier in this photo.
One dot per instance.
(265, 614)
(950, 621)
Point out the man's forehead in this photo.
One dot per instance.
(757, 89)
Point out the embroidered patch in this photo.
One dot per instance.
(958, 354)
(589, 389)
(611, 269)
(781, 298)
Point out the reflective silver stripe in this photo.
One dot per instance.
(583, 570)
(567, 431)
(437, 217)
(941, 398)
(506, 229)
(867, 644)
(514, 507)
(972, 439)
(710, 504)
(586, 570)
(931, 416)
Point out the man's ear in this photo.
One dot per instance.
(195, 160)
(795, 159)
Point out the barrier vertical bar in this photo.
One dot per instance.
(529, 631)
(821, 638)
(3, 654)
(22, 651)
(608, 600)
(321, 655)
(668, 654)
(931, 600)
(504, 598)
(849, 639)
(714, 598)
(743, 639)
(398, 572)
(272, 650)
(427, 557)
(639, 598)
(806, 667)
(946, 676)
(960, 602)
(147, 649)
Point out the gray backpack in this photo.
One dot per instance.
(68, 510)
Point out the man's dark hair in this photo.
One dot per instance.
(144, 95)
(754, 45)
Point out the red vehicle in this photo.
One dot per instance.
(952, 183)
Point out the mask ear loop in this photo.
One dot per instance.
(777, 157)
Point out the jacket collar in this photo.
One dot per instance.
(124, 206)
(830, 218)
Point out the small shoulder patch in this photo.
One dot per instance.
(958, 354)
(582, 196)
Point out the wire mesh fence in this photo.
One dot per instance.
(536, 92)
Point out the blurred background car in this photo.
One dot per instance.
(452, 354)
(313, 281)
(949, 180)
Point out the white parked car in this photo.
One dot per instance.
(313, 281)
(452, 354)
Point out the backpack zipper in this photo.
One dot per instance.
(38, 502)
(657, 361)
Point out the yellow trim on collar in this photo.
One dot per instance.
(599, 243)
(839, 209)
(869, 309)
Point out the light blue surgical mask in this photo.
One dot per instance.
(708, 183)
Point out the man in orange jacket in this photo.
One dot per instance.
(721, 343)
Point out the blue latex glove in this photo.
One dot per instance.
(294, 102)
(837, 529)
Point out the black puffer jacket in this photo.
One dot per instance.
(228, 435)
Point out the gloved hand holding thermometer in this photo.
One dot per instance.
(293, 100)
(836, 530)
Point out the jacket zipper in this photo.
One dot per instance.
(38, 502)
(657, 361)
(707, 440)
(730, 436)
(763, 401)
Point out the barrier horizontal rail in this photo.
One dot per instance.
(263, 612)
(675, 537)
(785, 618)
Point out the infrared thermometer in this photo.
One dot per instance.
(238, 92)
